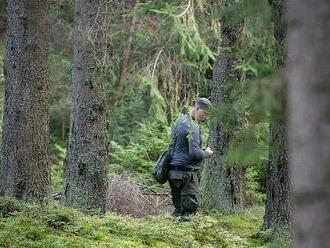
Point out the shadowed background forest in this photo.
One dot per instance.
(160, 57)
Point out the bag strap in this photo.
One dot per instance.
(175, 131)
(172, 144)
(175, 137)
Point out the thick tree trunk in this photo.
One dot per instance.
(309, 120)
(25, 172)
(85, 165)
(277, 207)
(222, 185)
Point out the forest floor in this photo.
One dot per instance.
(25, 225)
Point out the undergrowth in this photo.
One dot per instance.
(23, 225)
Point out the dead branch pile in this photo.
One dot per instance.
(127, 197)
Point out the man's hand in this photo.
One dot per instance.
(208, 151)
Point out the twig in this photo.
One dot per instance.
(155, 64)
(168, 194)
(185, 11)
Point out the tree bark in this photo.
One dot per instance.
(277, 206)
(85, 165)
(25, 171)
(222, 185)
(309, 120)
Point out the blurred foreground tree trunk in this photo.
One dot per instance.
(223, 185)
(85, 177)
(309, 120)
(25, 171)
(277, 207)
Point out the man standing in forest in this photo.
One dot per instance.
(187, 154)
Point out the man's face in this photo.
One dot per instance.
(201, 114)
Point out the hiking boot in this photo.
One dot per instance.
(184, 218)
(177, 213)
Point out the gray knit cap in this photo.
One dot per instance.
(203, 103)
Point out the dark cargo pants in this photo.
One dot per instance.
(184, 190)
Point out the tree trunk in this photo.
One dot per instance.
(126, 54)
(309, 120)
(277, 207)
(85, 165)
(25, 172)
(222, 185)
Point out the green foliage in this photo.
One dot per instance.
(58, 151)
(147, 105)
(2, 6)
(56, 226)
(59, 217)
(167, 43)
(60, 85)
(9, 207)
(255, 186)
(250, 145)
(139, 156)
(57, 176)
(63, 10)
(58, 156)
(250, 148)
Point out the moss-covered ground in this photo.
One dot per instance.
(24, 225)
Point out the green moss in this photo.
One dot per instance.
(57, 177)
(57, 226)
(9, 207)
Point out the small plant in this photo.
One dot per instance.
(9, 207)
(60, 217)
